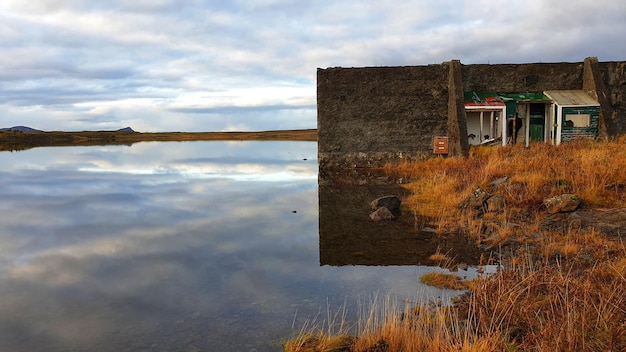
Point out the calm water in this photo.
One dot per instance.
(197, 246)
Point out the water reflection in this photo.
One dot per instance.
(349, 237)
(203, 246)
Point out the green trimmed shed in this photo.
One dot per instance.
(576, 115)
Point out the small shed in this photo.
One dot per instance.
(490, 116)
(483, 110)
(576, 115)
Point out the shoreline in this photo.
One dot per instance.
(17, 140)
(561, 269)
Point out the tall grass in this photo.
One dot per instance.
(559, 291)
(556, 308)
(384, 326)
(594, 170)
(530, 307)
(422, 328)
(331, 334)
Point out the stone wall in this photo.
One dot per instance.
(380, 112)
(614, 78)
(522, 78)
(374, 115)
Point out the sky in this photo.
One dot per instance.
(250, 65)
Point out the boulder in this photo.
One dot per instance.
(562, 204)
(392, 203)
(382, 214)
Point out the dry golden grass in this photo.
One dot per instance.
(328, 335)
(439, 257)
(592, 169)
(528, 308)
(443, 280)
(556, 308)
(320, 343)
(384, 327)
(423, 328)
(559, 291)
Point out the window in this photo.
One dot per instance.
(577, 120)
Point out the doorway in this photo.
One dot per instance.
(537, 122)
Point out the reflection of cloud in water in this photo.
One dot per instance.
(124, 260)
(243, 172)
(148, 157)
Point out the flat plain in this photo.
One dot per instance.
(17, 140)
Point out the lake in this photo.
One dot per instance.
(194, 246)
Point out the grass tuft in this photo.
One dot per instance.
(443, 280)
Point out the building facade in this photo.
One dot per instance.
(371, 116)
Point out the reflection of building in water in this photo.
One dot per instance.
(349, 237)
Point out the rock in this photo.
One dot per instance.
(607, 228)
(476, 201)
(478, 198)
(495, 203)
(520, 215)
(555, 222)
(392, 203)
(562, 204)
(382, 214)
(428, 229)
(611, 222)
(575, 221)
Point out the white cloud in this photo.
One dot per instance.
(106, 61)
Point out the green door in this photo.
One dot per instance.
(537, 129)
(537, 124)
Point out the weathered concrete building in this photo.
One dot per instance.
(373, 115)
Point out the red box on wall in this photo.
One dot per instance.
(441, 145)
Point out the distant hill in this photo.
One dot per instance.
(28, 129)
(20, 129)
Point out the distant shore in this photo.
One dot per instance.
(18, 140)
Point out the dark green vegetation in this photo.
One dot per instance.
(16, 140)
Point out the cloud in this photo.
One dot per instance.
(208, 57)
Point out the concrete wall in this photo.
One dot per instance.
(522, 78)
(381, 111)
(374, 115)
(613, 107)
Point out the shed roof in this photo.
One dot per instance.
(482, 99)
(499, 99)
(571, 98)
(525, 97)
